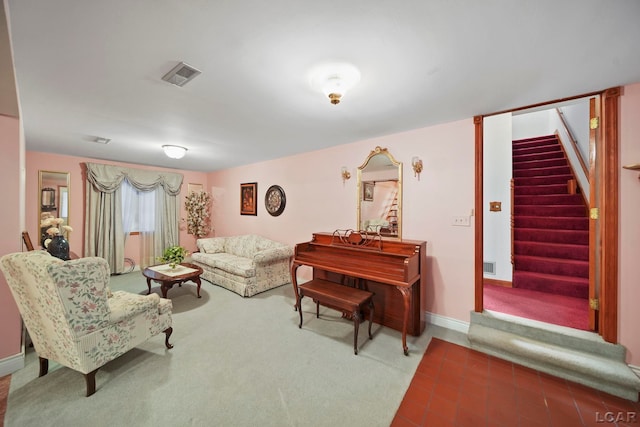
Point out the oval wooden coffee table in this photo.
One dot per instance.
(167, 277)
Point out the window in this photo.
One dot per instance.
(138, 209)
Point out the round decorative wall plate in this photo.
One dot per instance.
(275, 200)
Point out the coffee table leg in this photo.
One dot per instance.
(149, 285)
(197, 281)
(164, 288)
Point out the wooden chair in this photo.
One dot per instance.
(27, 240)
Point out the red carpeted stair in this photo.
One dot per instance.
(551, 226)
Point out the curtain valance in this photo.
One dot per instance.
(107, 178)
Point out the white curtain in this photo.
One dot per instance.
(149, 223)
(104, 229)
(139, 215)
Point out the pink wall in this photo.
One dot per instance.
(629, 225)
(10, 239)
(317, 200)
(36, 161)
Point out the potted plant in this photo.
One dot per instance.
(173, 255)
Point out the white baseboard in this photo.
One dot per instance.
(11, 364)
(447, 322)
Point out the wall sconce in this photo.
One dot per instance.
(174, 151)
(634, 167)
(416, 164)
(345, 174)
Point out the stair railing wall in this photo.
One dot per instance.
(576, 161)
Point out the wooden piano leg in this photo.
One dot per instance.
(294, 282)
(356, 326)
(370, 316)
(299, 308)
(406, 296)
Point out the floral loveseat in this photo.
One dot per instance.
(246, 265)
(72, 316)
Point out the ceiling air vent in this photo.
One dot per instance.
(101, 140)
(181, 74)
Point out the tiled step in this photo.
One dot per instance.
(577, 356)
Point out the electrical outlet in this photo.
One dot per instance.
(461, 221)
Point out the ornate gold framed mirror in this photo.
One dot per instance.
(53, 199)
(379, 189)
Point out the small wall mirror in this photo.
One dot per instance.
(53, 199)
(380, 194)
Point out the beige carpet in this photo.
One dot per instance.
(236, 362)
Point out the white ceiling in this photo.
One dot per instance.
(93, 68)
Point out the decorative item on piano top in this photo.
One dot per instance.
(173, 255)
(357, 238)
(198, 206)
(56, 242)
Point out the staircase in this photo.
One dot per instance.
(392, 214)
(550, 225)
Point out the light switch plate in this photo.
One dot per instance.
(461, 221)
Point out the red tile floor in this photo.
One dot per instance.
(457, 386)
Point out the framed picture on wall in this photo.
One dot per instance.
(367, 191)
(248, 194)
(193, 188)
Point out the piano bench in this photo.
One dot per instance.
(344, 298)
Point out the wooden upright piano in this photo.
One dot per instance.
(395, 270)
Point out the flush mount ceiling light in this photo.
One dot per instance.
(174, 151)
(334, 80)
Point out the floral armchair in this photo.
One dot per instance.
(72, 316)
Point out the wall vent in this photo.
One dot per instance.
(489, 267)
(181, 74)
